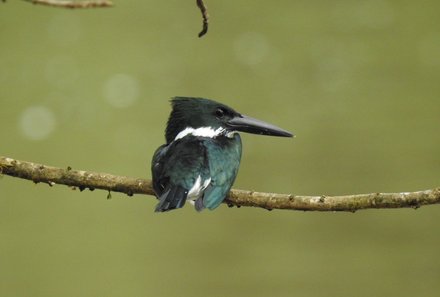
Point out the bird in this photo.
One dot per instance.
(200, 159)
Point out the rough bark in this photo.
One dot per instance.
(80, 179)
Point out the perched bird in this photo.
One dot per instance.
(200, 159)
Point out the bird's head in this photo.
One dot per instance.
(208, 118)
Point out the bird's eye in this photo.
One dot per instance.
(220, 113)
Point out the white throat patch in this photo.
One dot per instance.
(201, 132)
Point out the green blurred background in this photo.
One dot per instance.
(357, 81)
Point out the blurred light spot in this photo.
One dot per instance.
(121, 90)
(37, 122)
(62, 71)
(64, 28)
(374, 13)
(429, 50)
(251, 48)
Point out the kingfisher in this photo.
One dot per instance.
(201, 156)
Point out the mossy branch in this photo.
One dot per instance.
(93, 180)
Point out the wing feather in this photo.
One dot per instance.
(175, 170)
(223, 162)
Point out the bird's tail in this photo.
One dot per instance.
(172, 198)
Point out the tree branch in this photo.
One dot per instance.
(108, 3)
(205, 17)
(73, 3)
(113, 183)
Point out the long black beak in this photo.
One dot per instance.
(250, 125)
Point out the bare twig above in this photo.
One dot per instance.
(205, 16)
(73, 3)
(108, 3)
(113, 183)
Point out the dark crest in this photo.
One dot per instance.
(196, 112)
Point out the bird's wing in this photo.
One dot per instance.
(176, 168)
(223, 168)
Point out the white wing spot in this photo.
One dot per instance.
(198, 188)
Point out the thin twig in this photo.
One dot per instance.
(113, 183)
(204, 11)
(73, 3)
